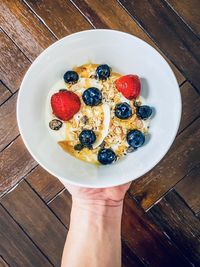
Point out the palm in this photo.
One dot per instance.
(112, 193)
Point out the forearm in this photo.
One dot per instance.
(94, 236)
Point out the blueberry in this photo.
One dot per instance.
(123, 111)
(106, 156)
(135, 138)
(92, 96)
(143, 112)
(87, 138)
(71, 77)
(103, 72)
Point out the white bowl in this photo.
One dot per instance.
(126, 54)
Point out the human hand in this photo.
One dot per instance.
(115, 193)
(99, 200)
(94, 237)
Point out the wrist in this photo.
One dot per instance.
(95, 216)
(102, 208)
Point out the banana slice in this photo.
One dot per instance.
(106, 123)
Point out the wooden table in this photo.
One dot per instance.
(161, 212)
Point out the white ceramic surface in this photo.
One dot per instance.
(126, 54)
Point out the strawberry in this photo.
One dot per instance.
(65, 105)
(129, 86)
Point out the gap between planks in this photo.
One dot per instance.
(26, 233)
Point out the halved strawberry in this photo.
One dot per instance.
(129, 86)
(65, 105)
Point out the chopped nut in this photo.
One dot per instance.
(139, 124)
(102, 145)
(84, 119)
(78, 147)
(137, 103)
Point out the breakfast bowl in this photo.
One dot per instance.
(125, 54)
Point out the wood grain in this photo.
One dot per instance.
(189, 188)
(153, 237)
(109, 14)
(190, 100)
(13, 63)
(189, 12)
(129, 259)
(46, 185)
(15, 163)
(37, 220)
(61, 16)
(8, 123)
(3, 263)
(4, 93)
(179, 223)
(24, 28)
(170, 33)
(182, 157)
(146, 240)
(15, 247)
(61, 205)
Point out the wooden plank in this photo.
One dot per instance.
(61, 16)
(23, 26)
(171, 34)
(61, 206)
(129, 259)
(15, 247)
(8, 123)
(146, 240)
(31, 213)
(60, 10)
(190, 100)
(103, 11)
(4, 93)
(13, 63)
(182, 157)
(46, 185)
(189, 12)
(189, 188)
(3, 263)
(177, 220)
(109, 14)
(15, 163)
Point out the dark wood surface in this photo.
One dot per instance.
(37, 220)
(173, 217)
(3, 263)
(13, 63)
(171, 34)
(4, 93)
(160, 225)
(17, 249)
(189, 12)
(192, 179)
